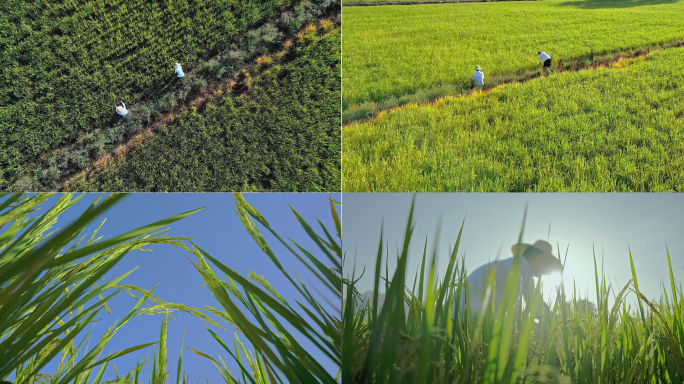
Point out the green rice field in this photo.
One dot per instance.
(399, 53)
(619, 128)
(420, 332)
(282, 134)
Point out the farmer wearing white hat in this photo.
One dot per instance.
(179, 70)
(545, 59)
(121, 109)
(478, 76)
(537, 260)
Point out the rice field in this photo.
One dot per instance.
(397, 53)
(419, 333)
(610, 129)
(276, 130)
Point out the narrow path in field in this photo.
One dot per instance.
(355, 114)
(236, 86)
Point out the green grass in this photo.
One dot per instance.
(436, 340)
(282, 134)
(606, 129)
(392, 52)
(66, 66)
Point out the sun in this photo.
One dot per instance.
(552, 281)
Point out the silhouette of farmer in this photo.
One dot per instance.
(537, 260)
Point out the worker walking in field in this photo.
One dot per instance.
(179, 70)
(121, 109)
(537, 260)
(478, 77)
(544, 58)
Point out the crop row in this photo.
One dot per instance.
(65, 66)
(280, 134)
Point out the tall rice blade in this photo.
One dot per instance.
(40, 291)
(280, 350)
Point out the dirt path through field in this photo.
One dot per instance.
(602, 62)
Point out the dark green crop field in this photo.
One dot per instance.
(282, 134)
(65, 66)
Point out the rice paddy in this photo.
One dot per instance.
(396, 54)
(610, 129)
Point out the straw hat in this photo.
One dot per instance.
(177, 65)
(477, 68)
(550, 263)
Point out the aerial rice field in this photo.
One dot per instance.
(65, 66)
(619, 128)
(396, 54)
(278, 130)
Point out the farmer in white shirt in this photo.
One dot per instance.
(544, 58)
(121, 109)
(536, 261)
(478, 76)
(179, 70)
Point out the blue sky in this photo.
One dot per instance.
(608, 223)
(218, 231)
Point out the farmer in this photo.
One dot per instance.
(121, 109)
(179, 70)
(478, 76)
(537, 260)
(544, 58)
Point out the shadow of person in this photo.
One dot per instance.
(598, 4)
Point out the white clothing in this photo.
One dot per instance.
(477, 283)
(179, 71)
(478, 76)
(543, 57)
(122, 110)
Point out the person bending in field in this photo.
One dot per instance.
(545, 59)
(537, 260)
(179, 70)
(121, 109)
(478, 77)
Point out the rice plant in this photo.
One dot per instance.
(51, 289)
(273, 325)
(421, 332)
